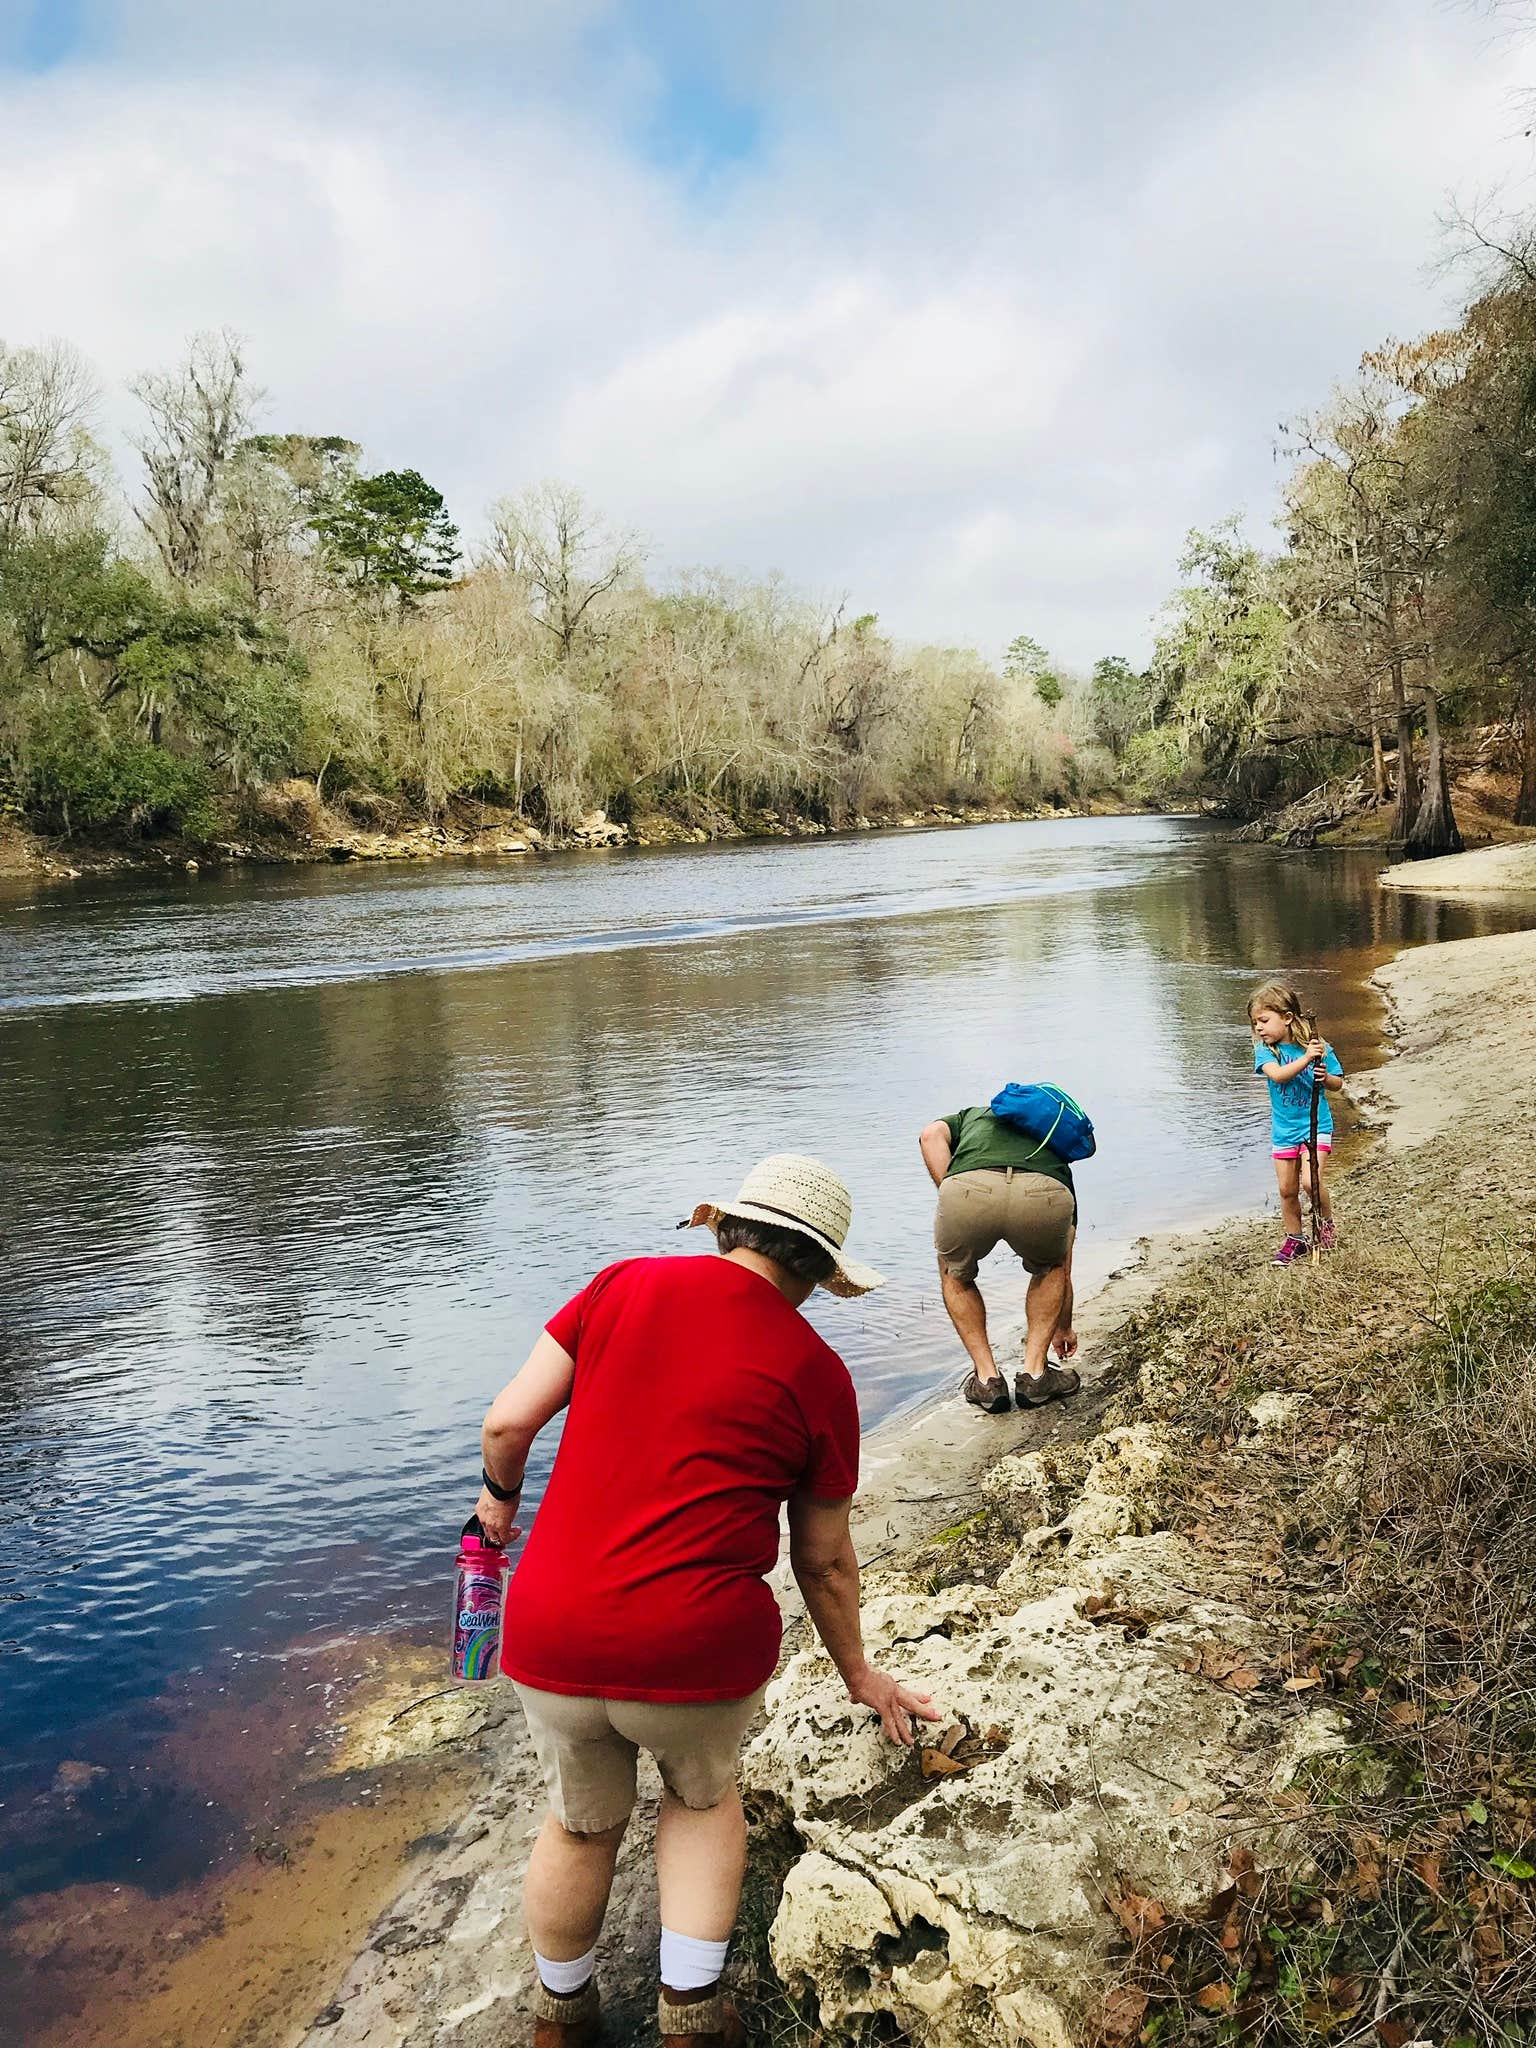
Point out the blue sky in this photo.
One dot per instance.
(966, 312)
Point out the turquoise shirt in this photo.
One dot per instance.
(1290, 1102)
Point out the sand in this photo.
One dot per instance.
(1464, 1034)
(1489, 871)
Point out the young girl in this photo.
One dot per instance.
(1293, 1062)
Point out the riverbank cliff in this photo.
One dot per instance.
(1220, 1641)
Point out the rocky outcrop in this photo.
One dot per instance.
(973, 1908)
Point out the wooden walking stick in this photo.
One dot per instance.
(1317, 1090)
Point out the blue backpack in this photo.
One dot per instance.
(1049, 1115)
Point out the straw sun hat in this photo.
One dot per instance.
(799, 1194)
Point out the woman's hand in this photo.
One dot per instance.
(495, 1518)
(895, 1703)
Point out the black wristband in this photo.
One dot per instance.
(501, 1493)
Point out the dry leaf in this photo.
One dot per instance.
(1214, 1997)
(1182, 1804)
(936, 1765)
(1121, 2013)
(1305, 1682)
(1139, 1915)
(952, 1738)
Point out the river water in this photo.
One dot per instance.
(293, 1165)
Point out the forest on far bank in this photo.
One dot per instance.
(257, 608)
(261, 608)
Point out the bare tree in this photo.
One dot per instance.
(198, 413)
(555, 541)
(47, 397)
(260, 516)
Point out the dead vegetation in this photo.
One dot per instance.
(1357, 1445)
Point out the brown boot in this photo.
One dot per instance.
(990, 1396)
(1056, 1383)
(701, 2023)
(572, 2022)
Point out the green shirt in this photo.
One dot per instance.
(978, 1140)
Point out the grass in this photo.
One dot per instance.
(1387, 1534)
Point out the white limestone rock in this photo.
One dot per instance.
(973, 1909)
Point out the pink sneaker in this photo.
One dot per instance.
(1327, 1236)
(1290, 1251)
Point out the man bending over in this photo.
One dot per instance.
(997, 1184)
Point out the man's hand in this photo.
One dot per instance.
(895, 1703)
(495, 1518)
(1064, 1343)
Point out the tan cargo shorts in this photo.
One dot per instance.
(588, 1749)
(1029, 1212)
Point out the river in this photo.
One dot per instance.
(294, 1163)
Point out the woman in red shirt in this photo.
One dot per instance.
(639, 1617)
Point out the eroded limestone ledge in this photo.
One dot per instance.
(974, 1910)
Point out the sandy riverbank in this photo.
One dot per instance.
(1497, 871)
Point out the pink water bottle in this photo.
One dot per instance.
(481, 1588)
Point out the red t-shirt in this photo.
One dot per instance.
(701, 1401)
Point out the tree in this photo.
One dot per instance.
(1027, 659)
(389, 534)
(260, 515)
(1119, 703)
(1376, 501)
(196, 417)
(47, 457)
(319, 466)
(554, 541)
(1491, 565)
(1219, 661)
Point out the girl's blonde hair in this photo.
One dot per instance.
(1274, 995)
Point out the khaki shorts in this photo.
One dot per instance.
(588, 1749)
(1029, 1212)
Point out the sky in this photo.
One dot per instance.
(965, 312)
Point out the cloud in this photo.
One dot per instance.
(969, 315)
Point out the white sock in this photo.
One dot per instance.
(564, 1978)
(688, 1964)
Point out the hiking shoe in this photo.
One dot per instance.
(706, 2023)
(1327, 1236)
(573, 2022)
(990, 1396)
(1056, 1383)
(1290, 1251)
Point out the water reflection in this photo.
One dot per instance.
(283, 1202)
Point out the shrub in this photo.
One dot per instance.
(77, 774)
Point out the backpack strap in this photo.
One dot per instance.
(1045, 1141)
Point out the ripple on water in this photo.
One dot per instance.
(271, 1251)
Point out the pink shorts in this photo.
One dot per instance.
(1324, 1144)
